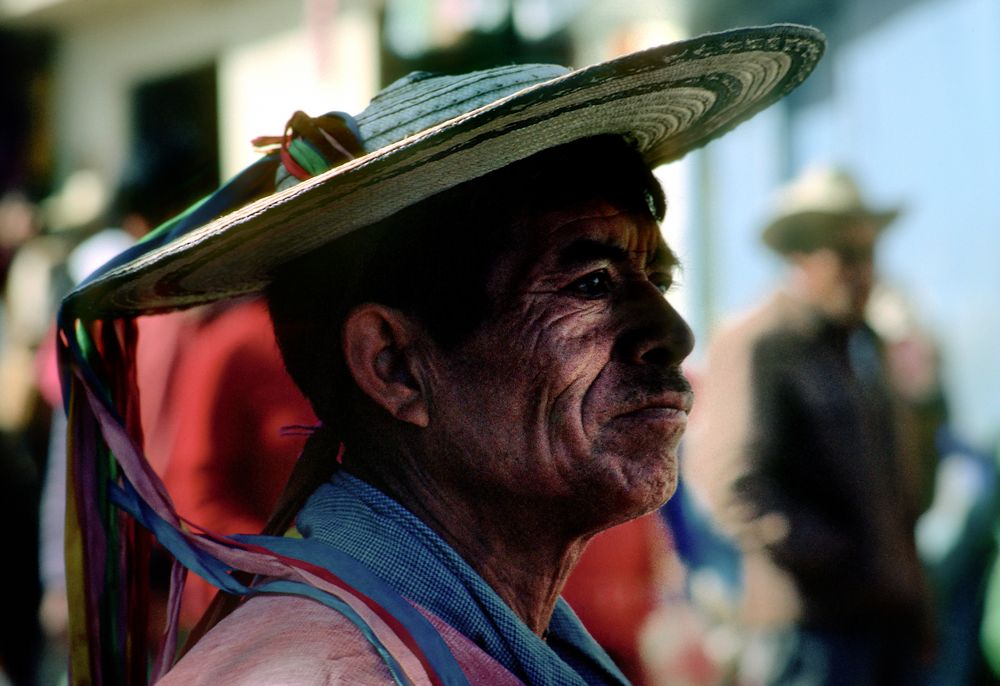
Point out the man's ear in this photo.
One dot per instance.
(379, 347)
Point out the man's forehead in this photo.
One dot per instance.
(583, 249)
(562, 240)
(598, 230)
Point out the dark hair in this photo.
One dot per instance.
(432, 260)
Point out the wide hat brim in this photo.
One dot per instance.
(665, 102)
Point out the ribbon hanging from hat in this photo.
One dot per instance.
(115, 499)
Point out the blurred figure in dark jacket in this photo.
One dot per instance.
(799, 453)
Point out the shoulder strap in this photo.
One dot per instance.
(443, 646)
(306, 568)
(337, 579)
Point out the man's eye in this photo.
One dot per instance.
(594, 285)
(664, 282)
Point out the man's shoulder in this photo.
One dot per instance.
(281, 639)
(779, 315)
(736, 334)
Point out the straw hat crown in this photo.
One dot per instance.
(428, 133)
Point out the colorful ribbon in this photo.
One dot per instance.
(113, 489)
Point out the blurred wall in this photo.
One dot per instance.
(920, 104)
(272, 57)
(908, 98)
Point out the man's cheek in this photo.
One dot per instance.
(628, 442)
(640, 471)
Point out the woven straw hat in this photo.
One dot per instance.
(812, 210)
(425, 134)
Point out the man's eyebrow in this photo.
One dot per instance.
(585, 250)
(664, 257)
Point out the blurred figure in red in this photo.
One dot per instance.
(215, 371)
(956, 533)
(235, 401)
(629, 590)
(798, 451)
(617, 584)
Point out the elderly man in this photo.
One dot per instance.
(799, 450)
(468, 286)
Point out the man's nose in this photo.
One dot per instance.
(653, 332)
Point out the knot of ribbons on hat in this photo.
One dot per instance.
(312, 145)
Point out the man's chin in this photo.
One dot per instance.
(639, 502)
(616, 506)
(647, 483)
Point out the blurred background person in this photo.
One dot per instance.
(37, 238)
(153, 185)
(955, 534)
(990, 629)
(797, 434)
(629, 590)
(22, 253)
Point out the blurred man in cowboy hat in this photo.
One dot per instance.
(467, 282)
(799, 454)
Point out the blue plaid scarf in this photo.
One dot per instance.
(363, 522)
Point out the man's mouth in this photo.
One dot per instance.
(668, 406)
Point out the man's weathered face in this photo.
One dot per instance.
(570, 394)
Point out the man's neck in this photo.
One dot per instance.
(526, 564)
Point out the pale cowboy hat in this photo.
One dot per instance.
(427, 133)
(812, 210)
